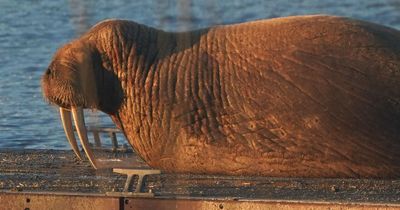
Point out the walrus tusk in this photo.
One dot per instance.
(77, 114)
(69, 132)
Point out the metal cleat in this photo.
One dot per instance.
(141, 173)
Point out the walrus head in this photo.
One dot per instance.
(75, 80)
(69, 80)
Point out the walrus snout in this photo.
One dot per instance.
(61, 92)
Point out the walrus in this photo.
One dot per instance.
(302, 96)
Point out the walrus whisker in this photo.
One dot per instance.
(77, 114)
(67, 125)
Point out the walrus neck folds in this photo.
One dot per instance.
(126, 56)
(136, 59)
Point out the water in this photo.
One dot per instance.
(31, 31)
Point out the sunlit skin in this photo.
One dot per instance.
(303, 96)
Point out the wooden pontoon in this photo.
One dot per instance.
(55, 179)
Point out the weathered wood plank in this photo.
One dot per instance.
(50, 201)
(208, 204)
(72, 201)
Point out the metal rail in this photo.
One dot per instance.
(141, 173)
(112, 133)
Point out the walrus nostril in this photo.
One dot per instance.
(48, 71)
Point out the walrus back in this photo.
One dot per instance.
(318, 91)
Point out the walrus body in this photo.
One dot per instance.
(305, 96)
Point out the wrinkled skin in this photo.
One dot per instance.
(306, 96)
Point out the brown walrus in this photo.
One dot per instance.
(303, 96)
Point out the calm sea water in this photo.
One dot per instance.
(31, 31)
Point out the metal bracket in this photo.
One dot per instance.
(141, 173)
